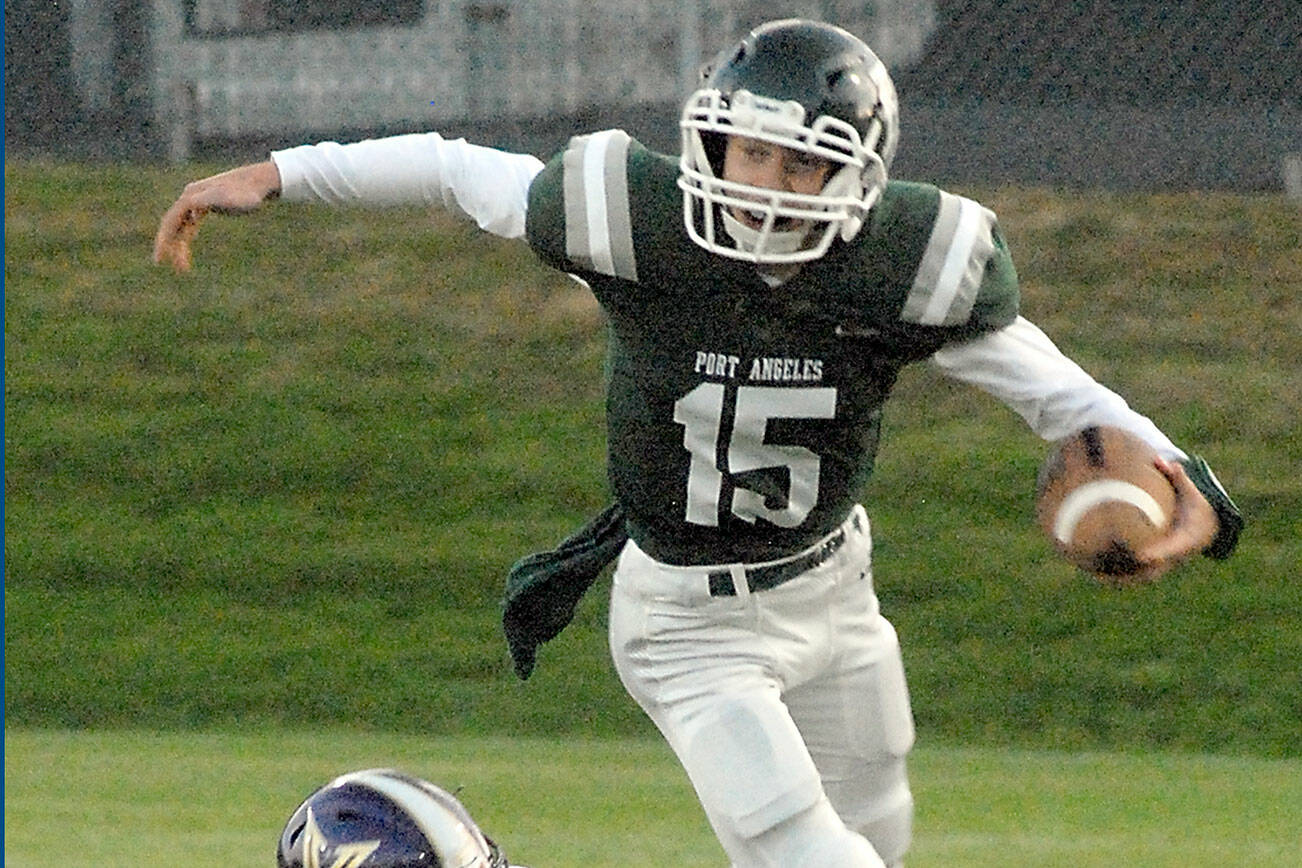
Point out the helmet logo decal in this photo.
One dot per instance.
(755, 112)
(317, 847)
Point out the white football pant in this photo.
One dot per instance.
(787, 707)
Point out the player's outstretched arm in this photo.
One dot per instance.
(237, 191)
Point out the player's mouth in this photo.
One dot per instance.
(755, 220)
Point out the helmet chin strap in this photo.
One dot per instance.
(748, 239)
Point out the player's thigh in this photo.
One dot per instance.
(701, 674)
(858, 711)
(858, 726)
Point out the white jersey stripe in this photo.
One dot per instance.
(933, 257)
(950, 273)
(618, 210)
(576, 212)
(594, 199)
(949, 284)
(598, 224)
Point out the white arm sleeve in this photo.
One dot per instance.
(1021, 367)
(487, 185)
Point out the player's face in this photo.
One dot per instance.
(763, 164)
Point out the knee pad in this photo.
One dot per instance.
(815, 838)
(891, 831)
(845, 849)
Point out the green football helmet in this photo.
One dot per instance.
(807, 86)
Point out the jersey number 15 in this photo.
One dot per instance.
(701, 414)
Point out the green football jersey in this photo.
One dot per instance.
(743, 418)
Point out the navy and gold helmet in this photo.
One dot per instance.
(382, 818)
(807, 86)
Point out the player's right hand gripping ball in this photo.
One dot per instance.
(1100, 498)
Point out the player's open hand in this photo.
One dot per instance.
(238, 191)
(1193, 524)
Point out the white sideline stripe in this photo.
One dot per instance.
(439, 827)
(1091, 494)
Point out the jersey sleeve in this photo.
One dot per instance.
(579, 214)
(487, 185)
(964, 279)
(1020, 366)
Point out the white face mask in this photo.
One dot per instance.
(838, 210)
(750, 240)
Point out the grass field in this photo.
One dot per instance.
(278, 497)
(220, 799)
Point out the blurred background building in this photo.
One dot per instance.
(1202, 94)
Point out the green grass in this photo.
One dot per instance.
(285, 489)
(131, 798)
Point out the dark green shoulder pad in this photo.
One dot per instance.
(545, 219)
(580, 209)
(947, 258)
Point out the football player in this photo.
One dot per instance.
(383, 818)
(764, 289)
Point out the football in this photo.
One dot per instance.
(1100, 499)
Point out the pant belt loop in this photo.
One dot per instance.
(739, 583)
